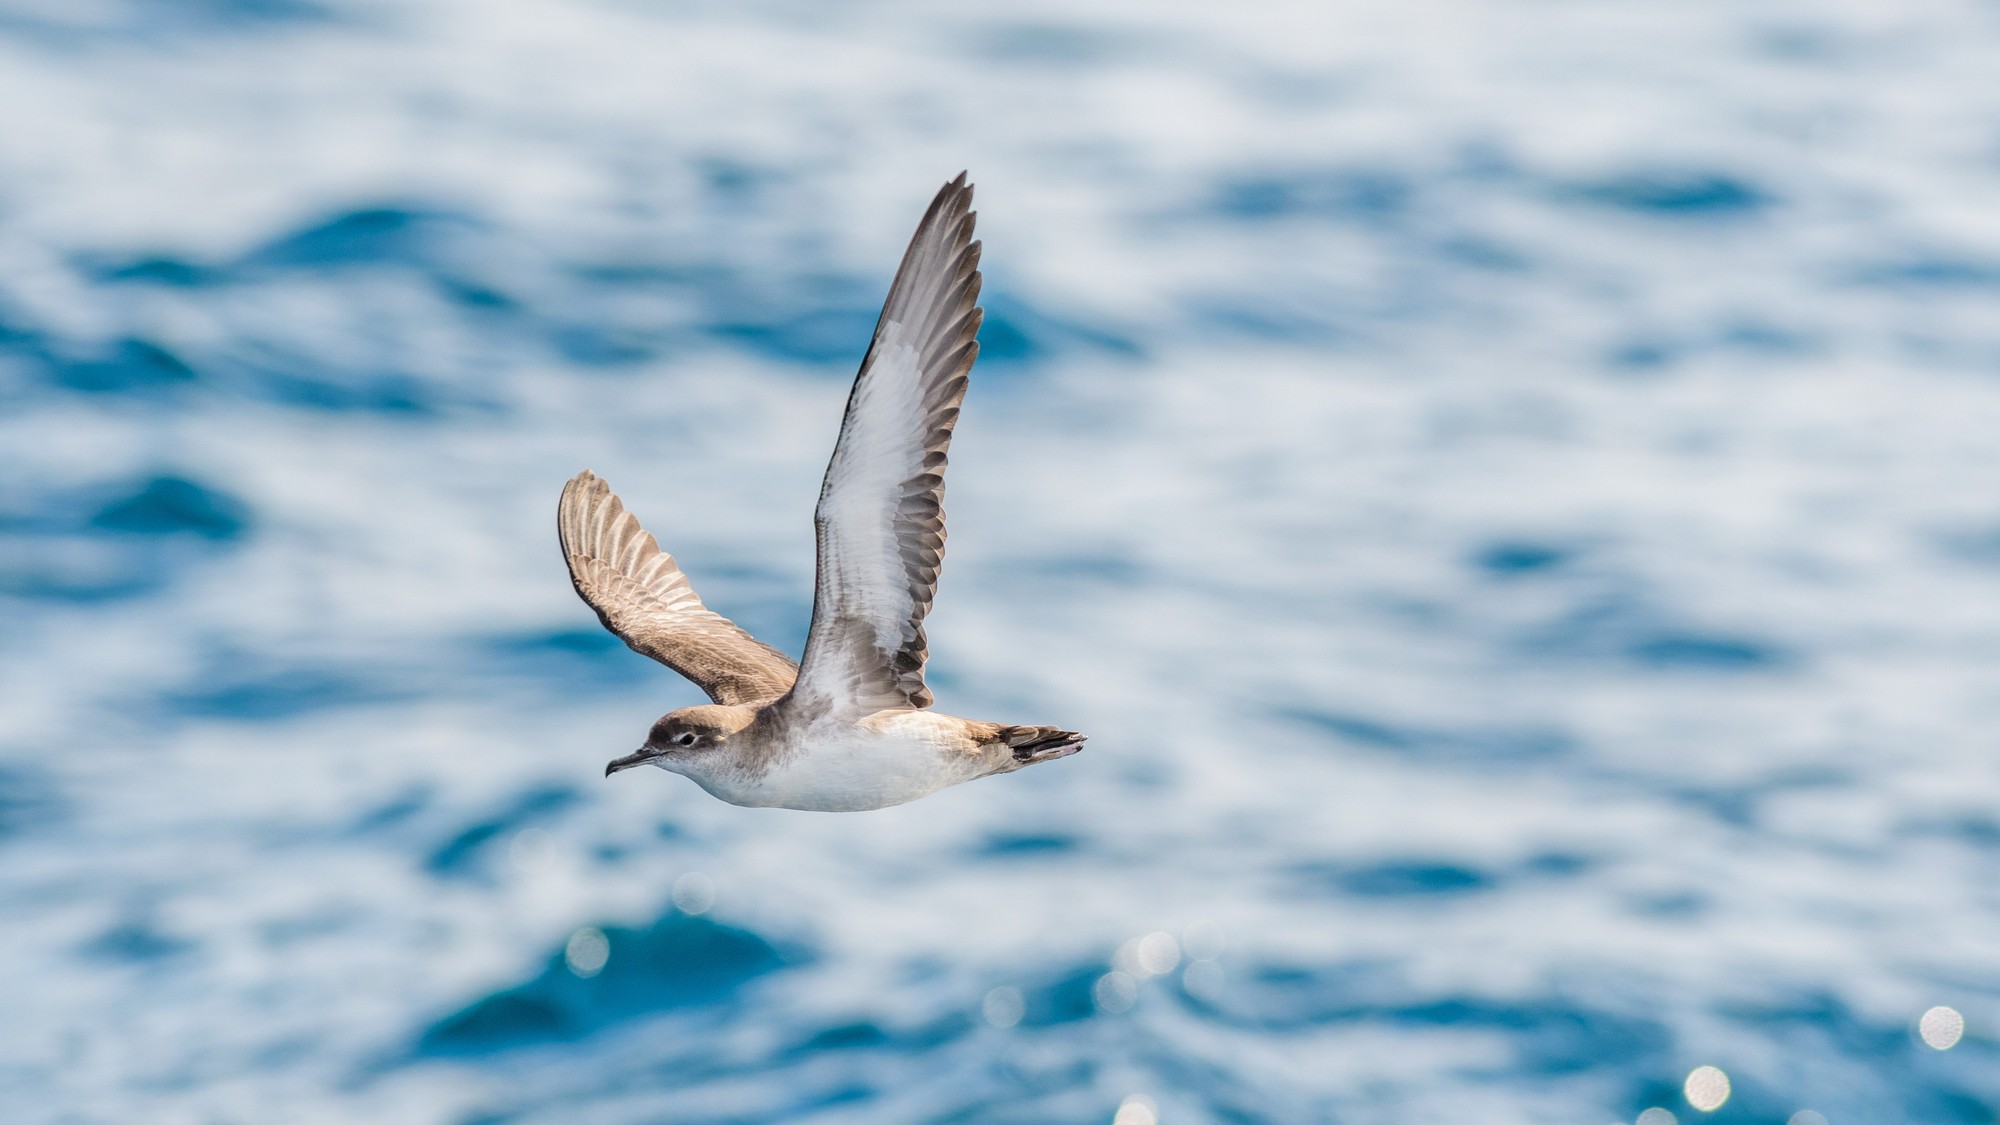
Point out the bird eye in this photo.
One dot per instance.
(684, 739)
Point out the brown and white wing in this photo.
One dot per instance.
(641, 596)
(880, 520)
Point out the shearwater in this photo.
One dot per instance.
(849, 727)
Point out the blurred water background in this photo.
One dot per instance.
(1511, 489)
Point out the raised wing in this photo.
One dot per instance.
(641, 595)
(880, 519)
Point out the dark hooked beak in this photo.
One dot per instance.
(638, 757)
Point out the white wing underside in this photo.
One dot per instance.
(861, 562)
(880, 520)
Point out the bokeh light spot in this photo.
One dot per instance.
(1656, 1116)
(1806, 1117)
(1004, 1006)
(1706, 1088)
(1941, 1027)
(1203, 980)
(694, 893)
(1137, 1110)
(587, 951)
(1158, 953)
(530, 850)
(1115, 992)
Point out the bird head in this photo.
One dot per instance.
(681, 737)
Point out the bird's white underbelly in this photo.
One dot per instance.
(849, 769)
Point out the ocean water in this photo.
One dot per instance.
(1511, 490)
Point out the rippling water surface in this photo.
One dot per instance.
(1511, 490)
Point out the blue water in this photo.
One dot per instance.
(1510, 491)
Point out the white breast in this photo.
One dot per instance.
(884, 761)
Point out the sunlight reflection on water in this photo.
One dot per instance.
(1004, 1006)
(694, 893)
(1155, 954)
(587, 951)
(1136, 1109)
(1203, 980)
(1941, 1028)
(1115, 992)
(1706, 1088)
(1202, 940)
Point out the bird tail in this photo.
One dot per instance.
(1040, 744)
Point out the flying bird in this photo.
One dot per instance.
(849, 727)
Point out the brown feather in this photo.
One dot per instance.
(641, 595)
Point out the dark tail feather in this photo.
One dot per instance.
(1039, 744)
